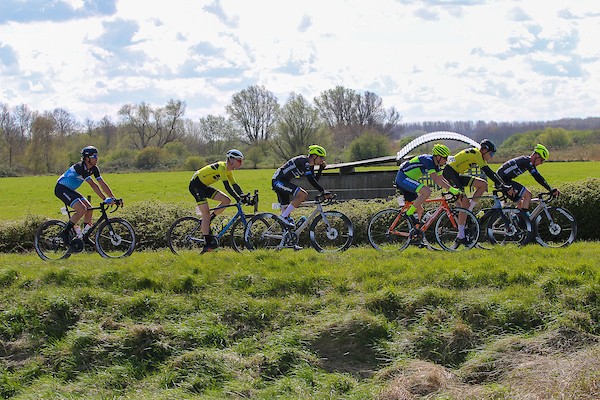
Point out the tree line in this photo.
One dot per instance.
(350, 124)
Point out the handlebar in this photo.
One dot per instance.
(115, 205)
(320, 198)
(546, 196)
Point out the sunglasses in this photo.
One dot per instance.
(492, 153)
(94, 156)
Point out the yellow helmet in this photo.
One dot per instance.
(440, 150)
(318, 150)
(542, 151)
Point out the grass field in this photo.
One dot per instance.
(23, 196)
(509, 323)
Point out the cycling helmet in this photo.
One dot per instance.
(318, 150)
(488, 145)
(88, 151)
(542, 151)
(233, 153)
(440, 150)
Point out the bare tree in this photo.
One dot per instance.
(40, 149)
(12, 138)
(218, 134)
(338, 106)
(65, 123)
(148, 127)
(254, 109)
(297, 127)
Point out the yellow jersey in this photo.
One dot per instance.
(214, 172)
(466, 159)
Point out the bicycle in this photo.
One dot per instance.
(114, 237)
(329, 231)
(553, 226)
(186, 234)
(503, 225)
(390, 230)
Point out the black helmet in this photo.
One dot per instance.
(488, 145)
(88, 151)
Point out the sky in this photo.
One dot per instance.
(431, 60)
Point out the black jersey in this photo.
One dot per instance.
(517, 166)
(295, 168)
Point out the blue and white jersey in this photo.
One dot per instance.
(76, 174)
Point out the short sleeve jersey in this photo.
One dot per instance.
(466, 159)
(294, 168)
(77, 174)
(214, 172)
(419, 166)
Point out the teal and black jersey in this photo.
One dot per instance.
(77, 174)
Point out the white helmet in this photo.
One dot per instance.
(233, 153)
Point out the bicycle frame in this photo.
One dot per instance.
(104, 216)
(443, 207)
(542, 206)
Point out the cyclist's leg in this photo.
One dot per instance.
(201, 192)
(409, 188)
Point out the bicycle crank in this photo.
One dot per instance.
(76, 245)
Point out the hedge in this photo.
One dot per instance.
(151, 220)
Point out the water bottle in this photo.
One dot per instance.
(63, 211)
(198, 212)
(301, 221)
(401, 201)
(275, 206)
(480, 214)
(224, 223)
(426, 216)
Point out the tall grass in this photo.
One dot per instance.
(359, 324)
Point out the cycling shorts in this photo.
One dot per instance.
(459, 181)
(519, 190)
(68, 196)
(408, 186)
(284, 190)
(200, 191)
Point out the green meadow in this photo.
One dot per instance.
(34, 195)
(507, 323)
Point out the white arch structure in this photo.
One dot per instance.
(432, 137)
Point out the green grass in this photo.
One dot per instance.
(29, 195)
(300, 325)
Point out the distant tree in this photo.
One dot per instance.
(254, 109)
(148, 127)
(40, 150)
(217, 134)
(13, 140)
(297, 126)
(349, 114)
(65, 123)
(369, 145)
(556, 138)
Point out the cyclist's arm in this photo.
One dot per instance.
(439, 180)
(493, 176)
(312, 180)
(96, 188)
(540, 179)
(235, 191)
(105, 188)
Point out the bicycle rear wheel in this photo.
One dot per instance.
(381, 235)
(185, 234)
(335, 235)
(558, 232)
(48, 243)
(446, 230)
(115, 238)
(264, 231)
(509, 225)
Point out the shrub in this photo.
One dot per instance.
(582, 198)
(148, 158)
(194, 163)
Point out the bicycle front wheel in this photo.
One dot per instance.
(331, 231)
(557, 231)
(264, 231)
(115, 238)
(185, 234)
(509, 225)
(48, 243)
(446, 230)
(385, 237)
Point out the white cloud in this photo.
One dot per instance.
(430, 59)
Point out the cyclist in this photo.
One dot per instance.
(416, 192)
(65, 190)
(201, 190)
(517, 166)
(295, 168)
(454, 172)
